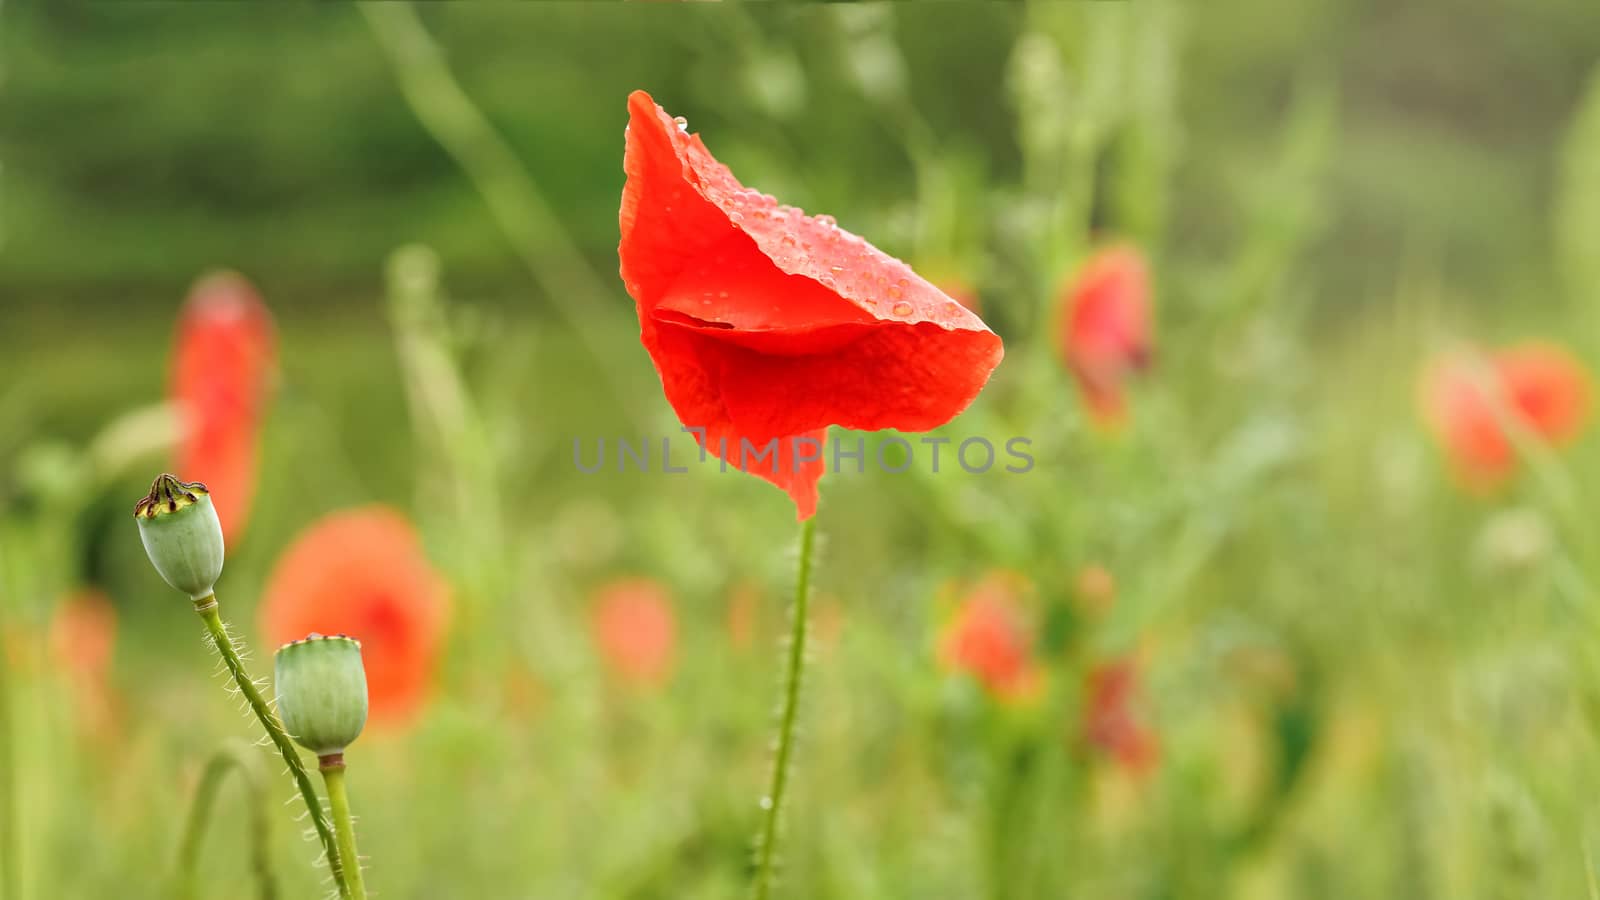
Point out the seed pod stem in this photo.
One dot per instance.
(332, 767)
(206, 607)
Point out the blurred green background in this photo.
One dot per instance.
(1356, 693)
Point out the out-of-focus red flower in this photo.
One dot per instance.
(744, 614)
(827, 626)
(1106, 330)
(362, 572)
(635, 629)
(83, 637)
(766, 324)
(1540, 385)
(1095, 589)
(1110, 723)
(989, 639)
(963, 293)
(221, 376)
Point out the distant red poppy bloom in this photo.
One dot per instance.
(1095, 589)
(963, 293)
(221, 376)
(1463, 398)
(1110, 723)
(744, 614)
(768, 325)
(83, 637)
(989, 639)
(362, 572)
(1105, 329)
(827, 628)
(635, 630)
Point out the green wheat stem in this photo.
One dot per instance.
(772, 803)
(234, 756)
(332, 767)
(207, 609)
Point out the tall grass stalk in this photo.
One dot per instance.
(568, 282)
(234, 756)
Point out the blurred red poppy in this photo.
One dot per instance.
(83, 637)
(1095, 590)
(1105, 329)
(362, 572)
(988, 639)
(1540, 385)
(1110, 723)
(963, 293)
(221, 376)
(635, 629)
(766, 324)
(744, 614)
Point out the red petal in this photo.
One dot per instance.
(1105, 328)
(765, 323)
(221, 378)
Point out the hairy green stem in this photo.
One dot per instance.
(772, 803)
(239, 756)
(207, 608)
(332, 767)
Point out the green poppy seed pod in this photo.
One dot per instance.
(322, 691)
(182, 535)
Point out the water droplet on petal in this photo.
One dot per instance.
(682, 123)
(901, 309)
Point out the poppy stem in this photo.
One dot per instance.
(236, 755)
(332, 767)
(206, 607)
(772, 802)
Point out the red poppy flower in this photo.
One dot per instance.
(964, 293)
(988, 639)
(1096, 590)
(1110, 723)
(83, 633)
(83, 636)
(221, 375)
(744, 614)
(960, 291)
(766, 324)
(362, 572)
(1463, 398)
(635, 630)
(1105, 329)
